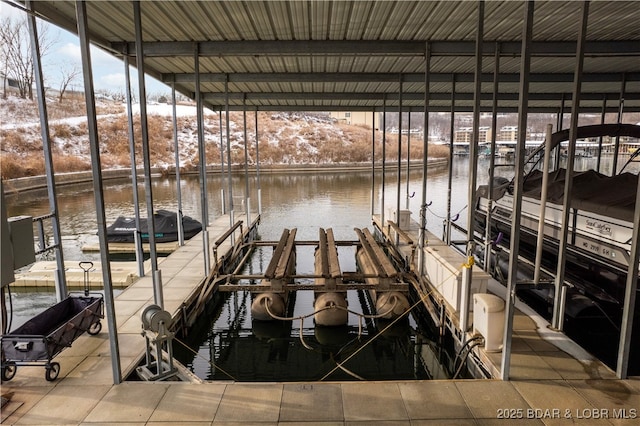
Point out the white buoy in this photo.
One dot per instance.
(391, 303)
(330, 309)
(275, 303)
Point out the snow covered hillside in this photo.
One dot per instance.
(284, 138)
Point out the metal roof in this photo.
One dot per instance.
(322, 55)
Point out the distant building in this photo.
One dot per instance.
(9, 85)
(356, 118)
(508, 133)
(465, 134)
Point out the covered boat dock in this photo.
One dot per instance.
(566, 58)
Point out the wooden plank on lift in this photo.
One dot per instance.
(401, 233)
(285, 259)
(322, 254)
(385, 266)
(371, 249)
(277, 253)
(368, 251)
(334, 262)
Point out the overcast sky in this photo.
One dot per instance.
(108, 72)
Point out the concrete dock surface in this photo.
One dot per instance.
(549, 385)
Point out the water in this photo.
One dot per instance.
(290, 350)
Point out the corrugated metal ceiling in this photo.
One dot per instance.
(303, 40)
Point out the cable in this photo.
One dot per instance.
(346, 370)
(465, 359)
(471, 339)
(211, 363)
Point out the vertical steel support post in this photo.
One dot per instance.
(408, 196)
(603, 114)
(560, 289)
(246, 161)
(452, 131)
(559, 127)
(222, 173)
(258, 169)
(425, 159)
(60, 278)
(560, 122)
(373, 161)
(467, 272)
(616, 148)
(384, 157)
(176, 148)
(98, 193)
(492, 158)
(399, 184)
(543, 204)
(228, 130)
(514, 243)
(137, 236)
(630, 297)
(202, 160)
(148, 188)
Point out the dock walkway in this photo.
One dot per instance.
(549, 386)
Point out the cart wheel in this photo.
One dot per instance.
(8, 371)
(95, 328)
(52, 371)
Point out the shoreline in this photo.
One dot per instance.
(34, 183)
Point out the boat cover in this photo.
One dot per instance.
(166, 228)
(612, 196)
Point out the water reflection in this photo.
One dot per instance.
(232, 346)
(341, 201)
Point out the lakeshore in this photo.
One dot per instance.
(31, 183)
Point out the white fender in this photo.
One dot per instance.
(259, 309)
(393, 303)
(331, 316)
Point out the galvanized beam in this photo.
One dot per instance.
(217, 97)
(425, 159)
(137, 236)
(229, 180)
(176, 148)
(560, 288)
(60, 278)
(514, 243)
(98, 191)
(630, 297)
(372, 47)
(473, 175)
(202, 165)
(492, 158)
(146, 161)
(357, 77)
(413, 108)
(399, 167)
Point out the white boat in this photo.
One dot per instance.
(600, 230)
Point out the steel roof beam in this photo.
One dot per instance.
(420, 108)
(372, 47)
(414, 96)
(345, 77)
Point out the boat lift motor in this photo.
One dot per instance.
(155, 329)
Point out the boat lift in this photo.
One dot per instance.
(379, 274)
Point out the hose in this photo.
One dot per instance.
(465, 359)
(471, 339)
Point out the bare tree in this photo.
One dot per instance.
(67, 76)
(16, 57)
